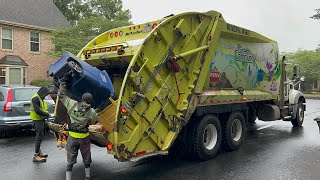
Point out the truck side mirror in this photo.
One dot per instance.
(294, 72)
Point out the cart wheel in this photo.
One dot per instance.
(75, 66)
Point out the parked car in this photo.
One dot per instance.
(15, 103)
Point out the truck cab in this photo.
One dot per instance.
(294, 99)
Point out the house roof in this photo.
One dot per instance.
(13, 60)
(35, 13)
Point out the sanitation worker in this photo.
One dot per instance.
(38, 113)
(81, 116)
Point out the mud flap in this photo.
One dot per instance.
(317, 119)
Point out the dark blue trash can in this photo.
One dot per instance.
(85, 78)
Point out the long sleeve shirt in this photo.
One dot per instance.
(76, 115)
(36, 106)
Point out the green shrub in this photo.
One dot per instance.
(40, 82)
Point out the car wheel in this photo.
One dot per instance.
(205, 138)
(233, 131)
(11, 132)
(298, 121)
(2, 132)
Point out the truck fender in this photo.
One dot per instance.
(294, 98)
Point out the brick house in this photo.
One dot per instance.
(25, 31)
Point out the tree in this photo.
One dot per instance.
(316, 16)
(73, 39)
(111, 9)
(308, 61)
(75, 10)
(93, 16)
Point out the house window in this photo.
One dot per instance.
(315, 85)
(34, 42)
(6, 38)
(2, 75)
(15, 76)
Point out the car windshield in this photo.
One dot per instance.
(23, 94)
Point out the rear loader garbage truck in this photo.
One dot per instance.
(190, 78)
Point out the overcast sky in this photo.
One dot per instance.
(286, 21)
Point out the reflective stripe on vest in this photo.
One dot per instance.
(78, 135)
(43, 106)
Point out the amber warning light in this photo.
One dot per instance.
(100, 50)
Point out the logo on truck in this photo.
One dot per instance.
(243, 54)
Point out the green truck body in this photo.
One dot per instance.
(192, 79)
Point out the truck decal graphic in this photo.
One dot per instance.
(243, 54)
(214, 76)
(247, 65)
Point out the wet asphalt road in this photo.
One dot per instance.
(272, 150)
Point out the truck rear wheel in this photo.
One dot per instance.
(298, 121)
(206, 138)
(234, 131)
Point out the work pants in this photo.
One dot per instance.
(39, 126)
(73, 146)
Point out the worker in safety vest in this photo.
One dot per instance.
(81, 116)
(38, 113)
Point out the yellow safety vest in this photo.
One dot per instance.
(78, 135)
(71, 105)
(43, 106)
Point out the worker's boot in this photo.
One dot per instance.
(44, 155)
(87, 173)
(38, 158)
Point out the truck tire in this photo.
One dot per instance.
(178, 148)
(205, 138)
(298, 121)
(233, 131)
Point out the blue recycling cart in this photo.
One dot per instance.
(85, 78)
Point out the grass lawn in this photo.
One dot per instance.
(312, 95)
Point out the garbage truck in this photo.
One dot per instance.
(190, 81)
